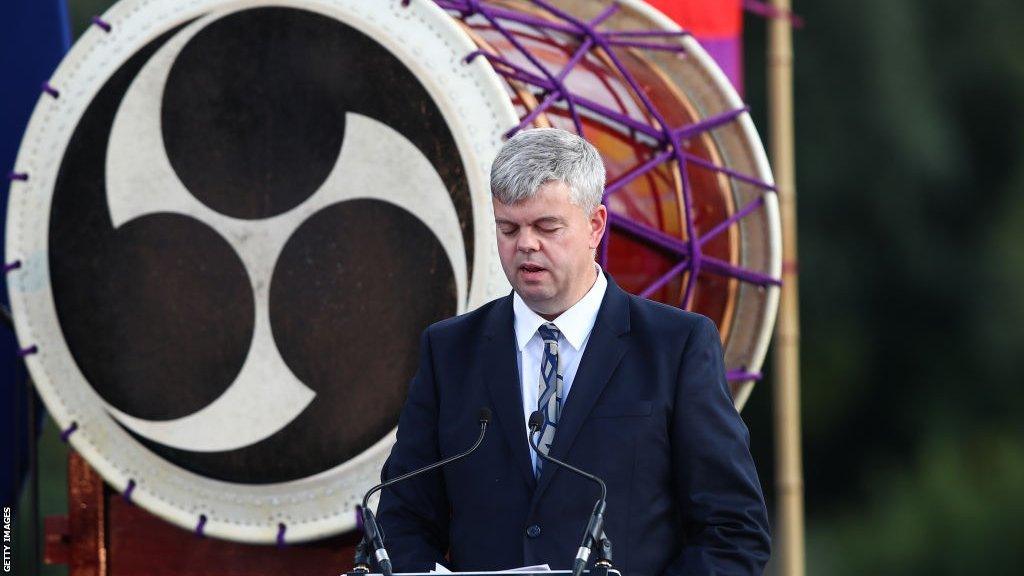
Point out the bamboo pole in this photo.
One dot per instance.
(786, 356)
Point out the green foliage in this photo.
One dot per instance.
(955, 511)
(910, 135)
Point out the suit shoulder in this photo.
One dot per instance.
(665, 320)
(471, 322)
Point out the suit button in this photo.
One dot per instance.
(533, 531)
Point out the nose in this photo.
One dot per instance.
(527, 241)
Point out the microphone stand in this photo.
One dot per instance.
(604, 557)
(594, 533)
(372, 534)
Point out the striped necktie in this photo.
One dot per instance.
(550, 397)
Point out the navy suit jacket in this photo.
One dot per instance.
(649, 412)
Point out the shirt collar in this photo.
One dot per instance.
(575, 323)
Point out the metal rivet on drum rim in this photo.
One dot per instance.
(359, 518)
(102, 24)
(128, 491)
(51, 90)
(201, 525)
(67, 432)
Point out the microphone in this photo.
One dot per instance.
(372, 534)
(594, 533)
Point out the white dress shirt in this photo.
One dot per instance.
(574, 325)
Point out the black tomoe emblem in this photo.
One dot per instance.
(251, 224)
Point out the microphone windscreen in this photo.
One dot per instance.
(485, 415)
(535, 420)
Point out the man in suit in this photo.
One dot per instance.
(630, 390)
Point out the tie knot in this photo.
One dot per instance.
(549, 332)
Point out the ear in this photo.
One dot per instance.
(598, 225)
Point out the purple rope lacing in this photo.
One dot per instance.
(103, 24)
(51, 90)
(11, 266)
(740, 375)
(67, 432)
(20, 176)
(280, 533)
(766, 10)
(736, 217)
(33, 349)
(668, 140)
(128, 491)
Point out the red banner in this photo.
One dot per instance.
(717, 25)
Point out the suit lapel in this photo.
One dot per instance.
(501, 374)
(602, 355)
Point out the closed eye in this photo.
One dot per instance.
(549, 224)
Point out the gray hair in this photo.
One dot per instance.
(535, 157)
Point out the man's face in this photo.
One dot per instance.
(546, 245)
